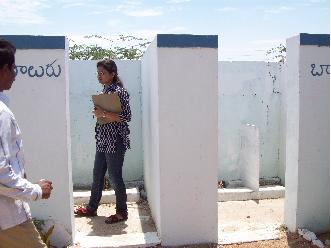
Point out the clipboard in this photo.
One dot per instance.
(108, 102)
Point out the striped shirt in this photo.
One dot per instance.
(106, 134)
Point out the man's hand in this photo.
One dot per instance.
(46, 188)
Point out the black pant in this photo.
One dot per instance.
(114, 163)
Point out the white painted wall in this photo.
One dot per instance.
(188, 115)
(83, 84)
(307, 197)
(249, 157)
(292, 132)
(180, 157)
(150, 128)
(281, 80)
(248, 94)
(41, 108)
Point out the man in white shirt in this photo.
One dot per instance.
(16, 226)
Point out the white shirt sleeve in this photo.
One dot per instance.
(13, 185)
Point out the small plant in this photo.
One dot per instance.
(44, 236)
(282, 228)
(38, 223)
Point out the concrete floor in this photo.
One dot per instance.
(139, 221)
(239, 221)
(252, 220)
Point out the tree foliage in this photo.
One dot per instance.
(277, 54)
(124, 47)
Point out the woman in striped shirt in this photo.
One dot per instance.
(112, 140)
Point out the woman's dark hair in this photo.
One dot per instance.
(110, 66)
(7, 53)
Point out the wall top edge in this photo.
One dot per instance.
(36, 42)
(314, 39)
(187, 40)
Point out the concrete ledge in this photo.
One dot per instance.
(236, 194)
(247, 236)
(82, 197)
(244, 194)
(187, 40)
(36, 42)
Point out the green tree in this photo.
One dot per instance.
(123, 47)
(277, 54)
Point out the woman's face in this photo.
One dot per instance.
(104, 76)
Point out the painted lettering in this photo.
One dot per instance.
(39, 71)
(323, 68)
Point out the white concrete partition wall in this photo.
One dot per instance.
(307, 196)
(83, 84)
(39, 100)
(249, 157)
(250, 92)
(180, 113)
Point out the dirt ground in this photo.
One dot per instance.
(287, 240)
(291, 240)
(140, 221)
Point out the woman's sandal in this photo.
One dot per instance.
(115, 218)
(84, 211)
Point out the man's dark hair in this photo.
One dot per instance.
(7, 53)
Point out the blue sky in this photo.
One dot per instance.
(246, 28)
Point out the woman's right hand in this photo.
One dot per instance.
(100, 113)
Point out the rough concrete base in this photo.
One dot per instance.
(226, 194)
(243, 216)
(247, 221)
(124, 240)
(248, 236)
(82, 197)
(244, 194)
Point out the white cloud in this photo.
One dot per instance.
(22, 12)
(73, 5)
(127, 5)
(82, 39)
(227, 9)
(150, 34)
(317, 1)
(96, 12)
(133, 8)
(177, 1)
(144, 12)
(278, 10)
(240, 54)
(308, 3)
(88, 4)
(114, 23)
(268, 42)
